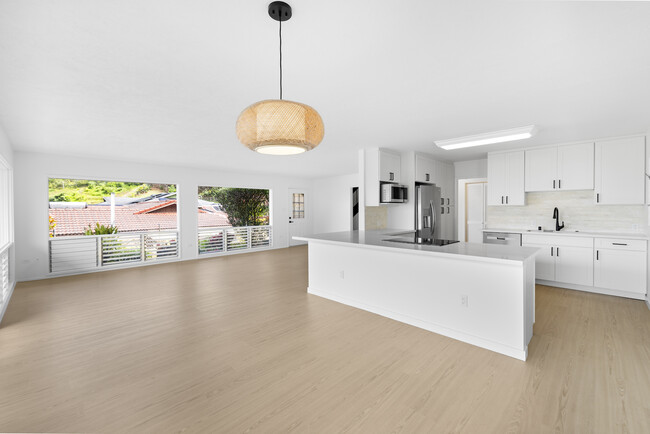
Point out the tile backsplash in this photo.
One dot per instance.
(577, 209)
(376, 217)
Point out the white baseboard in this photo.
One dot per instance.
(432, 327)
(6, 303)
(647, 303)
(592, 289)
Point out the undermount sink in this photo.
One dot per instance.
(544, 230)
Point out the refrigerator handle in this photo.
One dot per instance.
(433, 219)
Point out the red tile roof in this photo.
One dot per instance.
(129, 218)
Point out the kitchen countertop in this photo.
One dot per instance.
(570, 233)
(376, 240)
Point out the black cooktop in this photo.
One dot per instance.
(422, 241)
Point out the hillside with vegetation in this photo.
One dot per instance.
(83, 190)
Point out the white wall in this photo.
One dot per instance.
(6, 150)
(332, 203)
(470, 169)
(32, 170)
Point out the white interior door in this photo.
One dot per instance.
(299, 217)
(475, 211)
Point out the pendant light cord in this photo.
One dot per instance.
(280, 55)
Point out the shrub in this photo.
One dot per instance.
(100, 230)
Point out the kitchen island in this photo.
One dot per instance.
(480, 294)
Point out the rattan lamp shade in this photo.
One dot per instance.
(280, 127)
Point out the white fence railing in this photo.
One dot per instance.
(89, 252)
(4, 278)
(218, 240)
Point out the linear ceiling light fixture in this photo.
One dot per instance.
(488, 138)
(277, 126)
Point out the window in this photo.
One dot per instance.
(96, 224)
(298, 205)
(91, 207)
(5, 204)
(232, 218)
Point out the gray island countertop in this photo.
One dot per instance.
(376, 239)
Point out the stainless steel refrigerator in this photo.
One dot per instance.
(427, 211)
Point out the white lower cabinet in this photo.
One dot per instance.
(574, 265)
(563, 259)
(544, 261)
(606, 265)
(620, 265)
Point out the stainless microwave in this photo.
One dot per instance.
(393, 193)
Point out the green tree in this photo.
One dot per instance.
(244, 206)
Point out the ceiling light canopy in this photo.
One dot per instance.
(276, 126)
(488, 138)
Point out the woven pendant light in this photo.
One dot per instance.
(276, 126)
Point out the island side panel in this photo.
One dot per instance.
(426, 291)
(529, 285)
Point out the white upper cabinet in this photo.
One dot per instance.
(389, 166)
(424, 169)
(541, 169)
(575, 167)
(565, 167)
(380, 166)
(506, 178)
(620, 171)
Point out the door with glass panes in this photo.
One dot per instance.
(298, 215)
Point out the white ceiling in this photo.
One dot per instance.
(164, 81)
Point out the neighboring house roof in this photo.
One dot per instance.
(143, 216)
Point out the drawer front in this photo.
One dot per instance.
(558, 240)
(622, 244)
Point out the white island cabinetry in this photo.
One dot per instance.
(480, 294)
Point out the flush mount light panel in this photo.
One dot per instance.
(488, 138)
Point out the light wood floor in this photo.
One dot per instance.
(235, 344)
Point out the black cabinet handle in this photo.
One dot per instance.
(559, 183)
(426, 177)
(442, 210)
(447, 201)
(448, 212)
(506, 200)
(501, 200)
(391, 175)
(597, 197)
(620, 244)
(557, 252)
(554, 184)
(551, 251)
(442, 201)
(597, 255)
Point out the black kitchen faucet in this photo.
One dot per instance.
(556, 216)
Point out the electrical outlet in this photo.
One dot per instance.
(464, 300)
